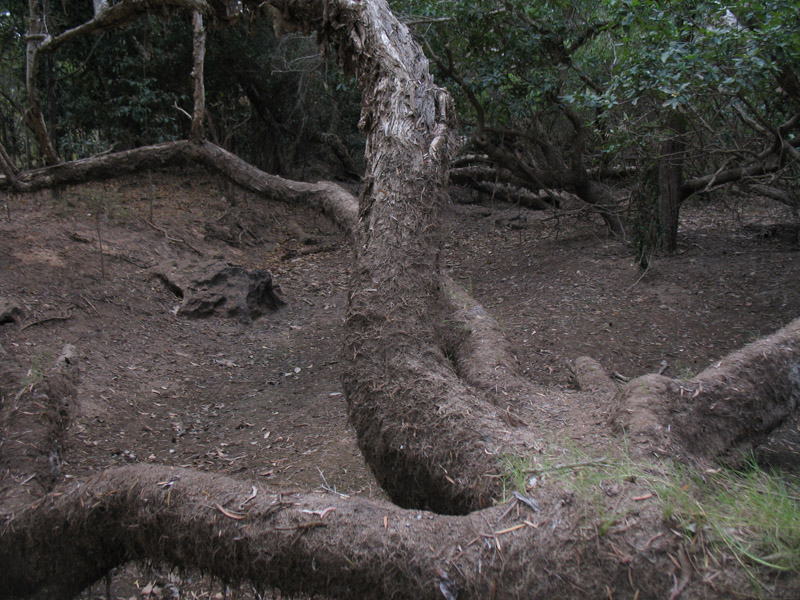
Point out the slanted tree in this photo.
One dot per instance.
(431, 389)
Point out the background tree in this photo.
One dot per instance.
(656, 100)
(138, 74)
(13, 134)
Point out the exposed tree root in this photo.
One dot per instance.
(726, 412)
(313, 543)
(592, 377)
(329, 198)
(482, 354)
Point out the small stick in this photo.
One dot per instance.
(85, 299)
(46, 319)
(174, 240)
(511, 506)
(100, 244)
(510, 529)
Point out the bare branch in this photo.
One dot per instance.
(119, 14)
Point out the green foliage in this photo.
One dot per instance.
(514, 476)
(284, 93)
(268, 100)
(120, 91)
(35, 373)
(623, 69)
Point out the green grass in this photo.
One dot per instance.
(749, 514)
(515, 473)
(36, 371)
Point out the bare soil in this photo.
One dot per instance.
(263, 401)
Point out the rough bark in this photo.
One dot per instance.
(670, 178)
(314, 543)
(198, 56)
(591, 376)
(501, 184)
(428, 437)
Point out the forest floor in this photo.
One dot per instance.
(263, 401)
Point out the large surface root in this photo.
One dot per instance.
(746, 401)
(312, 543)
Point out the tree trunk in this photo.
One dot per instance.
(670, 179)
(34, 117)
(198, 55)
(99, 7)
(7, 166)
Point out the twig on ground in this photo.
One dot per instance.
(327, 487)
(174, 240)
(85, 299)
(646, 269)
(316, 249)
(46, 319)
(686, 571)
(600, 462)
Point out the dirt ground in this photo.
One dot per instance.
(263, 401)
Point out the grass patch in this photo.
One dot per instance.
(35, 373)
(750, 514)
(515, 474)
